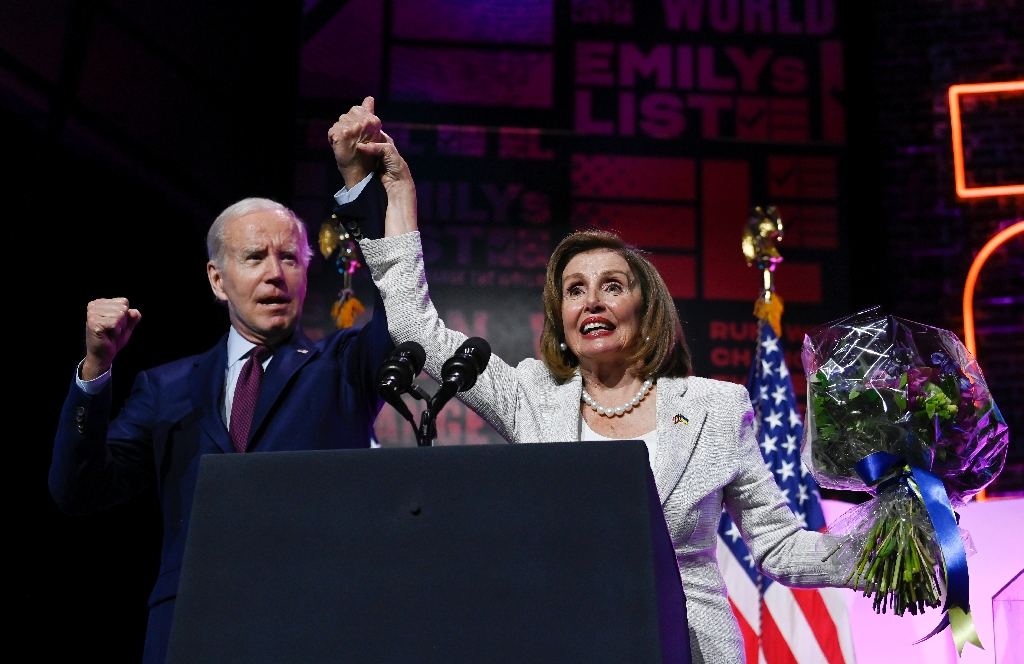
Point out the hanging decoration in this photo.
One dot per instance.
(337, 244)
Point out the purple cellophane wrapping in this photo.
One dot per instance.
(879, 383)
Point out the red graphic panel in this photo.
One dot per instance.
(519, 22)
(725, 192)
(802, 177)
(790, 119)
(469, 76)
(679, 273)
(772, 119)
(833, 116)
(655, 178)
(799, 282)
(655, 226)
(810, 226)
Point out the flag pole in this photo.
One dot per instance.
(762, 232)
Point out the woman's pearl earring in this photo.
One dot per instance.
(563, 347)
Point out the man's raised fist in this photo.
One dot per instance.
(108, 326)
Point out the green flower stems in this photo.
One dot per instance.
(896, 566)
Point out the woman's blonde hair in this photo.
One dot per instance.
(661, 349)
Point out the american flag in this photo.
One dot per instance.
(781, 625)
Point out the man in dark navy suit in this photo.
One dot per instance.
(264, 387)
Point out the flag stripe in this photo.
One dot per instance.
(836, 604)
(750, 644)
(792, 625)
(820, 620)
(742, 592)
(776, 650)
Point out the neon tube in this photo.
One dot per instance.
(972, 277)
(962, 190)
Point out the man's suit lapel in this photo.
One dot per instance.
(288, 359)
(681, 416)
(207, 383)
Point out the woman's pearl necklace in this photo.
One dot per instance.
(618, 410)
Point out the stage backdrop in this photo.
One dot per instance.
(664, 121)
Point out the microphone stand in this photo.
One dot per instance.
(428, 421)
(459, 373)
(426, 432)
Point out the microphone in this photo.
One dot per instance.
(396, 374)
(467, 364)
(461, 370)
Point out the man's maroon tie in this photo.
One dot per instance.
(247, 391)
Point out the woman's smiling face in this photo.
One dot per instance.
(601, 303)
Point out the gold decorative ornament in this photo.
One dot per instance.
(764, 229)
(330, 236)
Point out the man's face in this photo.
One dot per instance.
(263, 279)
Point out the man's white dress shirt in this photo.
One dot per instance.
(346, 195)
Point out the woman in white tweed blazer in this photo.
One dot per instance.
(610, 327)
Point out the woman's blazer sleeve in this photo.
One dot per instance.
(780, 547)
(396, 264)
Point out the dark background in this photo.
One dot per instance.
(125, 129)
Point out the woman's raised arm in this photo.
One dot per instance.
(396, 263)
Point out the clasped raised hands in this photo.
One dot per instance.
(357, 126)
(108, 327)
(362, 147)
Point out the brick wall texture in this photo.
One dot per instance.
(922, 48)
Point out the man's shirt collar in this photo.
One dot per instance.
(238, 346)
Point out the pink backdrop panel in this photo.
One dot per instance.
(995, 527)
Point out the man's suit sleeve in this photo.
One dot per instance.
(364, 218)
(97, 463)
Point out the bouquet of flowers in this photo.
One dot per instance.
(901, 410)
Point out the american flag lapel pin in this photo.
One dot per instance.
(680, 419)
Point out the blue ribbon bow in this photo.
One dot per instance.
(872, 469)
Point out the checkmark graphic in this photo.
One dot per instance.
(751, 120)
(784, 177)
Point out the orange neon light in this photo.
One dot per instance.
(972, 278)
(962, 190)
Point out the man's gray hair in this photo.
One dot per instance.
(215, 237)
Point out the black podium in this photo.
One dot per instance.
(479, 554)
